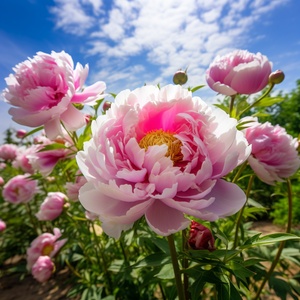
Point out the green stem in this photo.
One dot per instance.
(240, 214)
(232, 98)
(33, 221)
(176, 268)
(282, 244)
(259, 99)
(185, 264)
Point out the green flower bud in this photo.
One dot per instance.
(276, 77)
(180, 77)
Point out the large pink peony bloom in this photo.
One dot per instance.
(239, 72)
(274, 152)
(20, 189)
(42, 269)
(44, 88)
(52, 206)
(45, 244)
(162, 154)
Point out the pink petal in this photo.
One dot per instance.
(229, 199)
(73, 119)
(165, 220)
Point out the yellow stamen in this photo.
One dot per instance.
(47, 249)
(160, 137)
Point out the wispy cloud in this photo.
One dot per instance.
(167, 35)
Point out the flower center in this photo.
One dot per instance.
(47, 249)
(160, 137)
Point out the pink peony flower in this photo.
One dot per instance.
(46, 244)
(274, 152)
(20, 189)
(2, 225)
(73, 188)
(161, 153)
(239, 72)
(22, 159)
(43, 90)
(201, 237)
(8, 151)
(21, 133)
(1, 181)
(42, 269)
(52, 206)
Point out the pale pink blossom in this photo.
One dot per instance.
(2, 166)
(91, 216)
(8, 151)
(22, 159)
(44, 89)
(239, 72)
(52, 206)
(43, 160)
(42, 269)
(45, 244)
(161, 153)
(20, 189)
(274, 154)
(1, 181)
(73, 188)
(2, 225)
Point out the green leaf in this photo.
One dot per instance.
(196, 88)
(269, 101)
(166, 272)
(53, 146)
(274, 238)
(33, 131)
(153, 260)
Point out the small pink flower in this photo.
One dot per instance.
(42, 269)
(22, 159)
(20, 189)
(52, 206)
(8, 151)
(161, 153)
(201, 237)
(43, 90)
(46, 244)
(274, 152)
(73, 188)
(21, 133)
(2, 225)
(239, 72)
(1, 181)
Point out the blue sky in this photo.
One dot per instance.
(131, 42)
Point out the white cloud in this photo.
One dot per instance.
(168, 35)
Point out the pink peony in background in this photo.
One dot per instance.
(161, 153)
(239, 72)
(44, 89)
(274, 154)
(45, 244)
(42, 269)
(2, 225)
(20, 189)
(52, 206)
(8, 151)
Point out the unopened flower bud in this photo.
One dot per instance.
(201, 237)
(88, 119)
(180, 77)
(276, 77)
(21, 133)
(106, 105)
(79, 106)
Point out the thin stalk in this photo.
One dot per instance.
(176, 268)
(185, 265)
(282, 244)
(240, 214)
(239, 172)
(259, 99)
(33, 221)
(232, 98)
